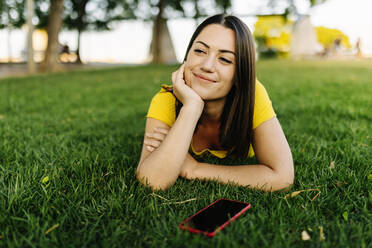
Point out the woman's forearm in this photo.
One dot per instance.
(162, 167)
(256, 176)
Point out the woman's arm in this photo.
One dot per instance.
(161, 167)
(275, 169)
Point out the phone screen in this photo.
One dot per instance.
(215, 215)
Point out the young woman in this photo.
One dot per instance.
(216, 106)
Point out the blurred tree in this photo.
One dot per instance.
(290, 6)
(221, 6)
(50, 62)
(12, 15)
(77, 15)
(82, 15)
(273, 35)
(161, 48)
(273, 32)
(30, 31)
(328, 36)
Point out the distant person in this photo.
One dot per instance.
(337, 47)
(358, 46)
(216, 107)
(65, 49)
(325, 51)
(64, 53)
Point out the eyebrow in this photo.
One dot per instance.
(222, 50)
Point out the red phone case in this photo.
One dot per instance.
(218, 229)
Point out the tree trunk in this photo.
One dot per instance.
(197, 13)
(50, 62)
(30, 48)
(161, 48)
(78, 59)
(9, 34)
(80, 27)
(9, 45)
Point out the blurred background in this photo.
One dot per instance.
(45, 35)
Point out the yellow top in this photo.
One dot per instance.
(163, 108)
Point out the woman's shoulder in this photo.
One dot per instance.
(162, 106)
(260, 88)
(165, 94)
(263, 109)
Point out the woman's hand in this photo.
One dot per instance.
(183, 92)
(154, 140)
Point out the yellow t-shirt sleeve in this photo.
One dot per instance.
(263, 109)
(163, 107)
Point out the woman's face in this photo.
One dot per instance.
(210, 64)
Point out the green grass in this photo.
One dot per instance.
(84, 131)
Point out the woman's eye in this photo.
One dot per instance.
(198, 51)
(225, 60)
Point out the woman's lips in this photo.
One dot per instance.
(204, 78)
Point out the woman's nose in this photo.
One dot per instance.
(209, 64)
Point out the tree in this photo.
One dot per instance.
(12, 16)
(290, 6)
(273, 35)
(50, 62)
(221, 6)
(100, 15)
(30, 27)
(161, 48)
(328, 36)
(273, 32)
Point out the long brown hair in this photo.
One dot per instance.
(237, 116)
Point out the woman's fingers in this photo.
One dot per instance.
(152, 143)
(174, 77)
(161, 130)
(157, 134)
(153, 140)
(180, 74)
(150, 148)
(177, 76)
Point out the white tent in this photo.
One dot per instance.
(304, 40)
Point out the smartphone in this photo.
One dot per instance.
(214, 217)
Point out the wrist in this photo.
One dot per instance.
(195, 108)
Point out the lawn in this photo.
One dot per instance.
(70, 143)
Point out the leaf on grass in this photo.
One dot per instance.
(295, 193)
(170, 201)
(345, 215)
(315, 196)
(45, 179)
(332, 165)
(321, 234)
(1, 117)
(51, 229)
(180, 202)
(370, 177)
(165, 199)
(339, 184)
(305, 236)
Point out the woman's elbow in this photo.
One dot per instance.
(285, 177)
(154, 184)
(282, 178)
